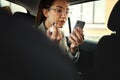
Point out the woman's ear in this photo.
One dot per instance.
(45, 12)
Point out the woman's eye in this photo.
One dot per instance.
(59, 10)
(67, 12)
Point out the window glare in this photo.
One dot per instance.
(95, 14)
(99, 16)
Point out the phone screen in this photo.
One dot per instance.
(79, 24)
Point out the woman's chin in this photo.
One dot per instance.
(60, 26)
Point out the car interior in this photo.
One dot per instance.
(23, 54)
(98, 60)
(107, 52)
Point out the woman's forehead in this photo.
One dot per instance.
(62, 3)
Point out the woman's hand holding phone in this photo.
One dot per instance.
(76, 37)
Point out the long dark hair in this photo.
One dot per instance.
(44, 4)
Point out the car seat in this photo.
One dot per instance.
(107, 56)
(27, 54)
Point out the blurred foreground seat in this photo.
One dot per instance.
(27, 54)
(107, 59)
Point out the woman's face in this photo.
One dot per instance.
(57, 13)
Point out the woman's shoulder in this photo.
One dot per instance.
(62, 32)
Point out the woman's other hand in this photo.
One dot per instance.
(54, 34)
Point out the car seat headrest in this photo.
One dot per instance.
(114, 19)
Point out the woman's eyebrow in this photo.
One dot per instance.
(59, 6)
(62, 7)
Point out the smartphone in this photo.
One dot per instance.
(79, 24)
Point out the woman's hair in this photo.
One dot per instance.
(44, 4)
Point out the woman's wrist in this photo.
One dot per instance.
(74, 50)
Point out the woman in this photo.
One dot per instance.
(51, 16)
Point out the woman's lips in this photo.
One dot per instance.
(61, 22)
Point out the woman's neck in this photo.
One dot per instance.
(47, 25)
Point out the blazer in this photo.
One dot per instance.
(62, 45)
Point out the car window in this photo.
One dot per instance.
(14, 7)
(95, 14)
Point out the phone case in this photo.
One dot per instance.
(79, 24)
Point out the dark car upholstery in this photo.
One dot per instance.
(107, 57)
(27, 54)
